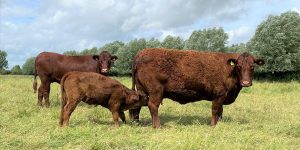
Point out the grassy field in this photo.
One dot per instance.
(264, 116)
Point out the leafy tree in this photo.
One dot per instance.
(277, 40)
(29, 66)
(4, 71)
(92, 51)
(3, 61)
(208, 39)
(16, 70)
(153, 43)
(112, 47)
(237, 48)
(126, 54)
(173, 42)
(71, 53)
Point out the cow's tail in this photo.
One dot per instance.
(133, 74)
(34, 85)
(63, 98)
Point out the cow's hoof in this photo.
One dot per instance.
(47, 105)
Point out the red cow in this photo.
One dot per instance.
(188, 76)
(51, 67)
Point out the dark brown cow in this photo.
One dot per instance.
(51, 67)
(187, 76)
(93, 88)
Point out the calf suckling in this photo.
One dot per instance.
(97, 89)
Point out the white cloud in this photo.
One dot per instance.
(239, 35)
(296, 10)
(31, 26)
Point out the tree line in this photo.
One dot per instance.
(276, 40)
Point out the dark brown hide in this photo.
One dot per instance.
(187, 76)
(50, 67)
(93, 88)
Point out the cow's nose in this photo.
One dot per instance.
(104, 70)
(246, 82)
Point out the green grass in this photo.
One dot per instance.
(264, 116)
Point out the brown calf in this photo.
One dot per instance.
(93, 88)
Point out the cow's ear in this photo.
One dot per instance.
(96, 57)
(140, 94)
(259, 62)
(113, 58)
(125, 93)
(232, 62)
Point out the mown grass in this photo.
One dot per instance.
(264, 116)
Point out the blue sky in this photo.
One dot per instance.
(28, 27)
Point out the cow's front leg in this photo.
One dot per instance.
(116, 118)
(122, 116)
(134, 114)
(220, 113)
(217, 110)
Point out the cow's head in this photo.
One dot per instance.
(134, 99)
(105, 59)
(244, 67)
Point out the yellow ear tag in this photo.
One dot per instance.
(232, 63)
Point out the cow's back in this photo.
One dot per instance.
(54, 65)
(185, 74)
(95, 87)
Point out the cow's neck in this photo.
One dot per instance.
(98, 69)
(235, 77)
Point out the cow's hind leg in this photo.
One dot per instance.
(40, 95)
(67, 111)
(155, 98)
(47, 93)
(44, 89)
(63, 104)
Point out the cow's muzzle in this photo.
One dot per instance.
(246, 83)
(104, 70)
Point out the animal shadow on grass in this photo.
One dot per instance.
(100, 121)
(164, 118)
(195, 119)
(184, 120)
(96, 121)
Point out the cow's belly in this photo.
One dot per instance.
(185, 91)
(184, 96)
(93, 101)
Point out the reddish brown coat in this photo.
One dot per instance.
(187, 76)
(50, 67)
(93, 88)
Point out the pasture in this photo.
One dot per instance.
(264, 116)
